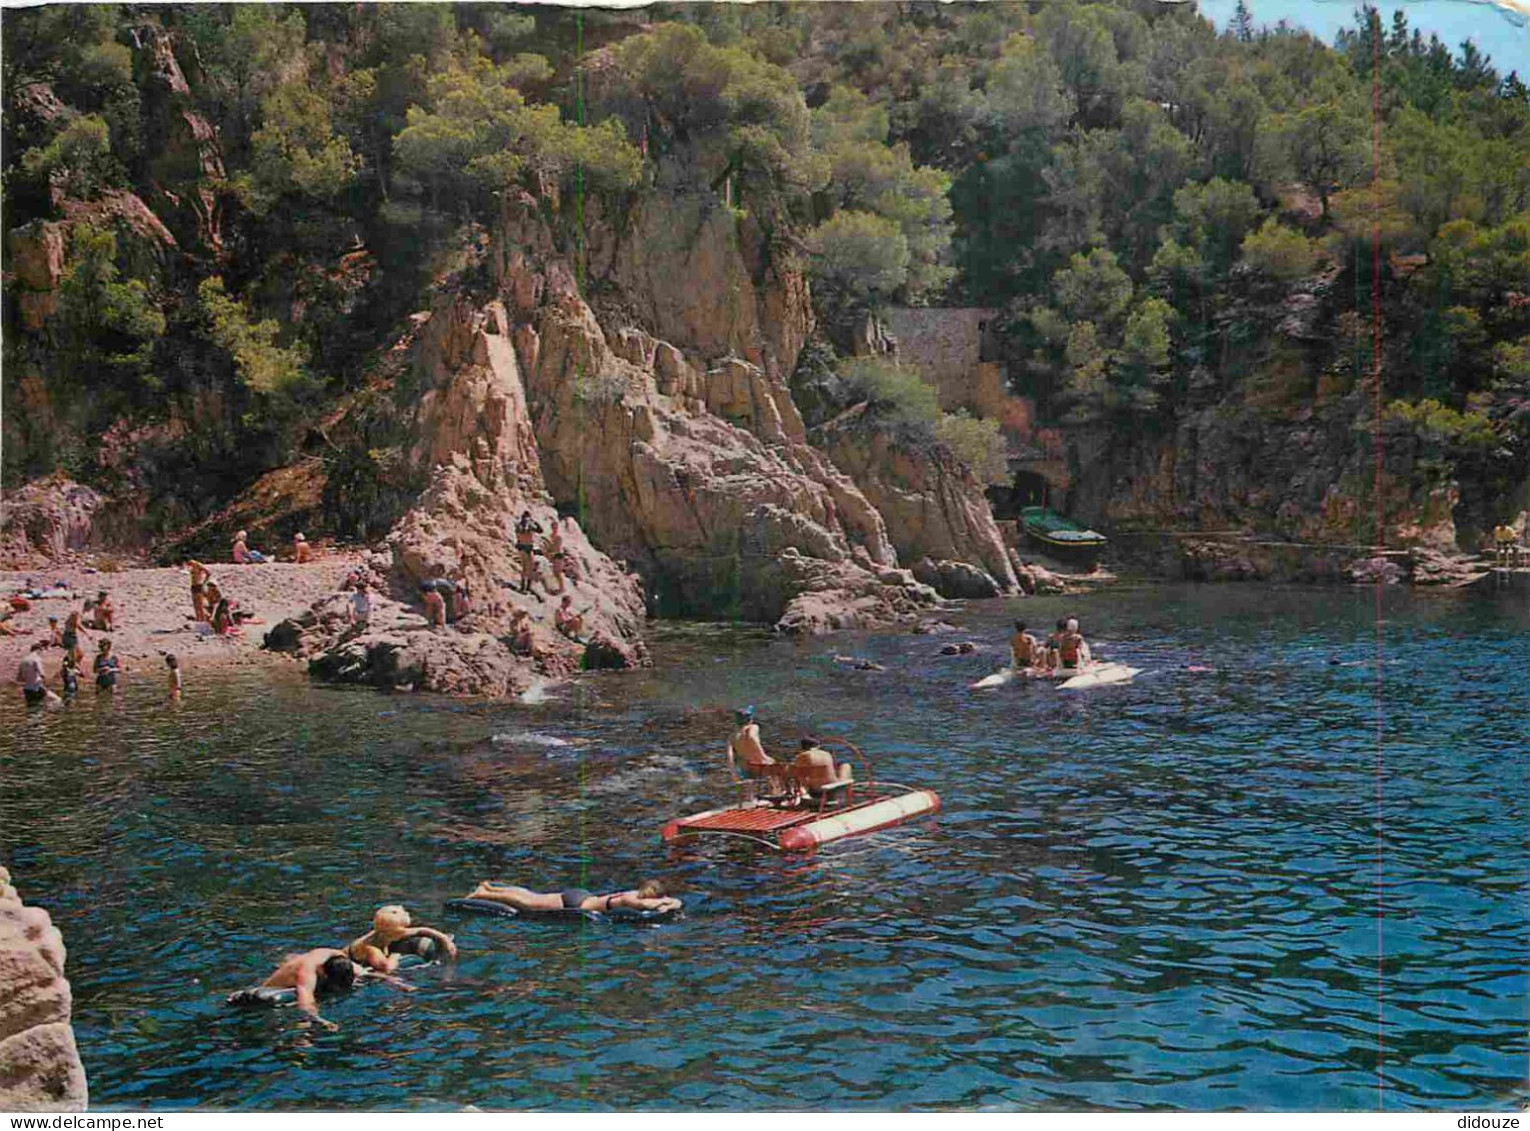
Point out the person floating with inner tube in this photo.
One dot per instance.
(324, 970)
(379, 948)
(647, 896)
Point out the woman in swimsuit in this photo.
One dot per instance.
(649, 896)
(200, 577)
(70, 638)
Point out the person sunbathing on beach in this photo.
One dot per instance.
(302, 552)
(242, 554)
(8, 625)
(648, 896)
(391, 925)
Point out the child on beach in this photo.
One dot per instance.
(69, 676)
(391, 925)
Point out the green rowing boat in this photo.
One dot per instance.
(1062, 537)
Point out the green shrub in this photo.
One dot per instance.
(1439, 424)
(896, 396)
(978, 444)
(1279, 252)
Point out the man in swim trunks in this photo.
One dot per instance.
(391, 925)
(1024, 651)
(526, 531)
(29, 675)
(648, 896)
(813, 768)
(324, 969)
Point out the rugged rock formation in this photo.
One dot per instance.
(475, 436)
(698, 474)
(932, 506)
(47, 520)
(40, 1067)
(184, 144)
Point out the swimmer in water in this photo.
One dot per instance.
(316, 971)
(392, 925)
(647, 896)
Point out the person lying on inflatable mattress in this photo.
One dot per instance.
(649, 896)
(380, 947)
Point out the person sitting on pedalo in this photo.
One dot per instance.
(391, 925)
(813, 768)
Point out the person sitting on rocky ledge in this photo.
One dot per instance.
(520, 632)
(435, 604)
(568, 622)
(647, 896)
(302, 552)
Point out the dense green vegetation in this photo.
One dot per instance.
(1139, 194)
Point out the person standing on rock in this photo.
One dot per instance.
(361, 604)
(200, 576)
(557, 555)
(526, 530)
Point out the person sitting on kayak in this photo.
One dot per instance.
(1023, 648)
(1071, 649)
(317, 971)
(648, 896)
(1053, 646)
(813, 768)
(391, 925)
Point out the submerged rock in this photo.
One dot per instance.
(40, 1067)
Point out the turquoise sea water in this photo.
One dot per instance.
(1202, 890)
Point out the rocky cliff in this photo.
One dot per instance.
(40, 1067)
(475, 444)
(691, 465)
(934, 510)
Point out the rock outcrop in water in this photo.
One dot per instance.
(475, 437)
(40, 1067)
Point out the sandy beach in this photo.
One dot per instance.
(154, 614)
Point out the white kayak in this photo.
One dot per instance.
(997, 679)
(1098, 675)
(1095, 675)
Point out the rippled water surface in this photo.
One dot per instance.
(1203, 890)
